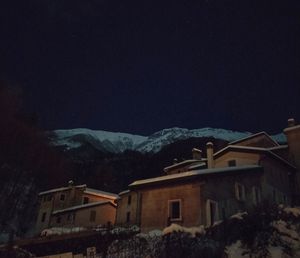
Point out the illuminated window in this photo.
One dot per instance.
(240, 192)
(175, 209)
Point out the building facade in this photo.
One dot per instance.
(239, 177)
(72, 206)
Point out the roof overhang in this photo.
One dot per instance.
(201, 175)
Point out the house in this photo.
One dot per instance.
(75, 206)
(239, 177)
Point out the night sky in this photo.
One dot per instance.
(141, 66)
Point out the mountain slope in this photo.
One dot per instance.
(119, 142)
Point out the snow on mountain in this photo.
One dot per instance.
(119, 142)
(166, 136)
(102, 140)
(280, 138)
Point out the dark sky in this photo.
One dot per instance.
(141, 66)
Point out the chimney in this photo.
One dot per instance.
(71, 199)
(196, 154)
(210, 154)
(71, 183)
(291, 122)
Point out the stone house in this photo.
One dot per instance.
(75, 206)
(237, 178)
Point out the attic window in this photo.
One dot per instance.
(175, 209)
(240, 192)
(232, 163)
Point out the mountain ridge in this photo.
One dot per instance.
(117, 142)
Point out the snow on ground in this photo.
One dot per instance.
(294, 211)
(288, 232)
(177, 228)
(236, 250)
(61, 230)
(239, 215)
(120, 230)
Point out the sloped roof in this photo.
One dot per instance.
(254, 136)
(83, 206)
(184, 163)
(124, 192)
(194, 174)
(61, 189)
(253, 150)
(100, 193)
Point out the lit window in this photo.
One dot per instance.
(93, 216)
(256, 195)
(175, 209)
(239, 192)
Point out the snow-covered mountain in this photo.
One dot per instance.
(119, 142)
(101, 140)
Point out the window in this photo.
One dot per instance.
(86, 200)
(93, 216)
(70, 216)
(175, 209)
(62, 197)
(212, 212)
(284, 199)
(232, 163)
(239, 192)
(128, 217)
(129, 200)
(58, 220)
(274, 195)
(256, 195)
(43, 217)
